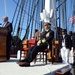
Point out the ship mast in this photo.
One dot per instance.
(49, 13)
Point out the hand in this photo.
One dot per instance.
(47, 35)
(74, 52)
(43, 41)
(39, 42)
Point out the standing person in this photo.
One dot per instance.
(36, 34)
(64, 46)
(73, 45)
(70, 36)
(8, 25)
(71, 48)
(45, 39)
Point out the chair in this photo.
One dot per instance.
(24, 49)
(54, 46)
(46, 51)
(43, 55)
(32, 42)
(26, 45)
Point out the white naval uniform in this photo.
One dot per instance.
(64, 52)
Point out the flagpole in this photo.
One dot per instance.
(5, 7)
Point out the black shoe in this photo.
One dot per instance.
(24, 64)
(8, 58)
(24, 60)
(73, 64)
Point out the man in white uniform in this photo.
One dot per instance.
(65, 46)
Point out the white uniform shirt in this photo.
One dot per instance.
(63, 41)
(4, 24)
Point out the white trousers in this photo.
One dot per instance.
(65, 55)
(71, 54)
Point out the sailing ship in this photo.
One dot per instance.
(30, 15)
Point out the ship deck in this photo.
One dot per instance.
(10, 67)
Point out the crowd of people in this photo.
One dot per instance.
(66, 42)
(44, 40)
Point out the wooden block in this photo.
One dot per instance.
(63, 72)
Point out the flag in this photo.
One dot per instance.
(72, 20)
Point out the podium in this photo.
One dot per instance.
(3, 48)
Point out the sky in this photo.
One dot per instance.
(10, 8)
(7, 8)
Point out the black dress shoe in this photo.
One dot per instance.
(21, 61)
(24, 64)
(73, 64)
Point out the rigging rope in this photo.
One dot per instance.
(21, 13)
(17, 16)
(23, 17)
(15, 10)
(27, 30)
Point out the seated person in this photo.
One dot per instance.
(45, 39)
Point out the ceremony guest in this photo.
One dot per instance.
(37, 34)
(45, 39)
(73, 45)
(8, 25)
(64, 46)
(70, 36)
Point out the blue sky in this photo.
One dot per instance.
(10, 8)
(11, 5)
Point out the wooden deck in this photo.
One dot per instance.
(11, 68)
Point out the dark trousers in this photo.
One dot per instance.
(33, 51)
(8, 46)
(74, 58)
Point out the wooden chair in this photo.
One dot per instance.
(26, 45)
(32, 42)
(54, 47)
(52, 52)
(42, 56)
(25, 49)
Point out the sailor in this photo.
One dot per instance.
(64, 46)
(45, 39)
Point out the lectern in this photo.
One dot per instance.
(3, 38)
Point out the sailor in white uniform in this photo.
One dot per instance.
(65, 45)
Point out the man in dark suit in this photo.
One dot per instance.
(64, 46)
(8, 25)
(46, 38)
